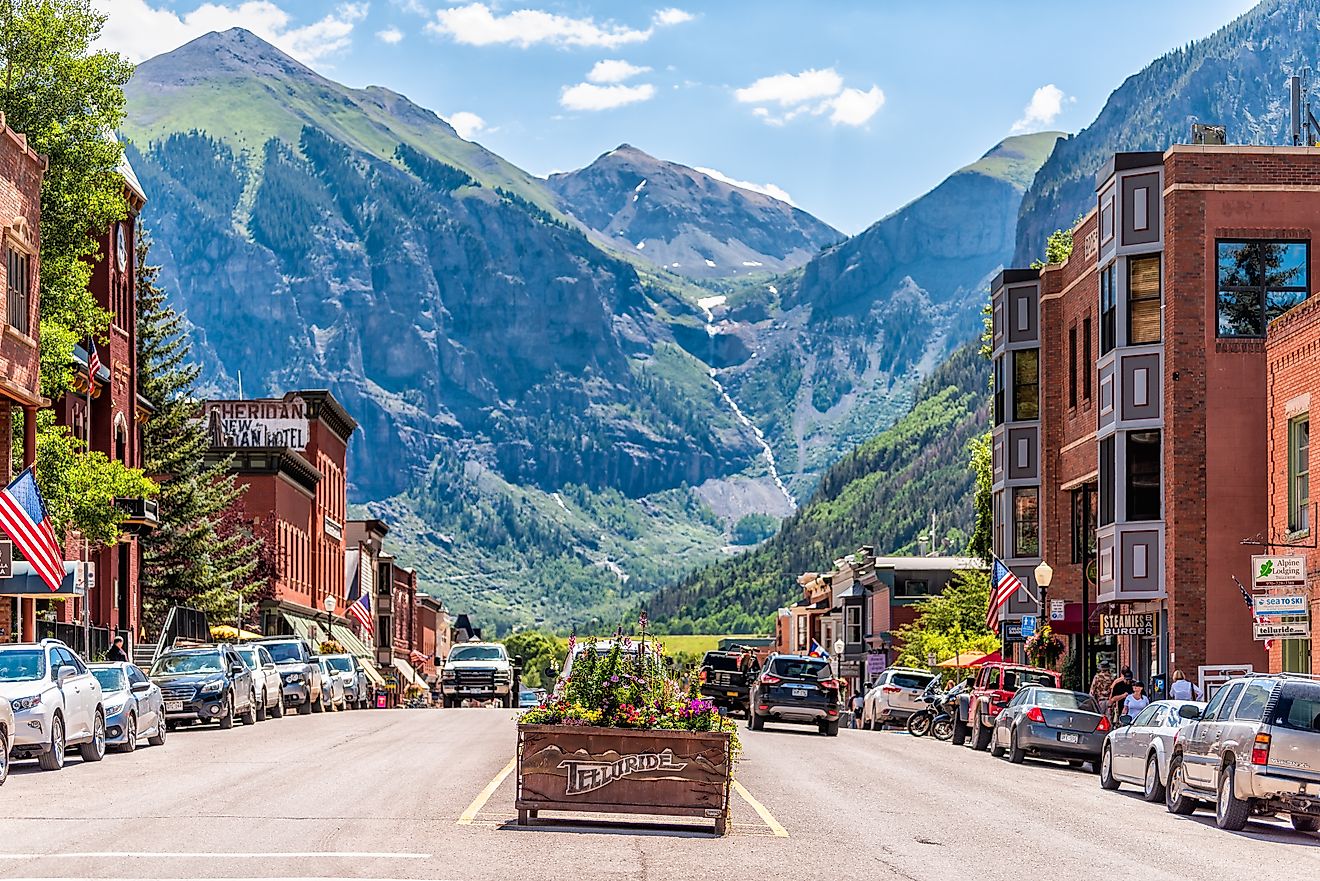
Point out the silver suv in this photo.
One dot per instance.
(1255, 749)
(56, 703)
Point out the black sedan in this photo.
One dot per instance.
(796, 689)
(1052, 723)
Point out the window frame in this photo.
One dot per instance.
(1021, 550)
(1001, 391)
(1107, 482)
(1262, 290)
(1108, 309)
(1134, 492)
(1072, 367)
(1022, 406)
(1135, 301)
(18, 262)
(849, 625)
(1076, 497)
(1299, 505)
(1088, 363)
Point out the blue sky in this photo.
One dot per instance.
(850, 108)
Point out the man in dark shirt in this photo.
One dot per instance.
(117, 652)
(1122, 687)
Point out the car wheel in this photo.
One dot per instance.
(1015, 753)
(1176, 799)
(755, 721)
(318, 705)
(995, 749)
(158, 739)
(1107, 779)
(306, 707)
(981, 736)
(249, 716)
(4, 757)
(829, 729)
(1153, 791)
(94, 749)
(1301, 822)
(278, 710)
(261, 707)
(227, 717)
(1231, 812)
(130, 734)
(171, 726)
(53, 759)
(959, 732)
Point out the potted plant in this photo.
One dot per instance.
(1044, 648)
(621, 735)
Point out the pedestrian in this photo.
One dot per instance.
(1118, 693)
(1183, 689)
(858, 700)
(1136, 701)
(117, 652)
(1101, 683)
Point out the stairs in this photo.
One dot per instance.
(144, 654)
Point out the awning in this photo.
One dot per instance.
(349, 641)
(300, 626)
(369, 667)
(972, 659)
(407, 672)
(27, 583)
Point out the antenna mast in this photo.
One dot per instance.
(1305, 129)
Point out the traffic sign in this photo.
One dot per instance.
(1057, 610)
(1028, 626)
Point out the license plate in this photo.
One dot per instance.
(799, 692)
(174, 706)
(1066, 737)
(731, 693)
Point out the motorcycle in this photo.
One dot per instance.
(936, 719)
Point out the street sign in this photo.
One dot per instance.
(875, 664)
(1028, 626)
(6, 559)
(1135, 624)
(1279, 604)
(1057, 610)
(1275, 573)
(1281, 630)
(932, 659)
(1013, 631)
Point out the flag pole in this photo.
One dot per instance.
(86, 554)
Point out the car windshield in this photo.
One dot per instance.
(910, 680)
(1027, 678)
(192, 662)
(249, 657)
(340, 665)
(1066, 700)
(285, 651)
(111, 679)
(1298, 706)
(720, 661)
(477, 653)
(22, 665)
(798, 668)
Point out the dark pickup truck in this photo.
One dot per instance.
(726, 678)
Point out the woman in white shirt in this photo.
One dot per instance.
(1136, 701)
(1182, 688)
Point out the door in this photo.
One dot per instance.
(80, 698)
(1201, 766)
(242, 681)
(148, 702)
(1128, 745)
(1237, 731)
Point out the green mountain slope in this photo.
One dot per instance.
(883, 493)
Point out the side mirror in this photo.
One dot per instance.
(237, 669)
(140, 687)
(1189, 712)
(1125, 720)
(66, 673)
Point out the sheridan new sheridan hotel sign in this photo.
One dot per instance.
(272, 422)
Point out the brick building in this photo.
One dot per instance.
(1130, 399)
(21, 173)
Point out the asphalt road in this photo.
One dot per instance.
(398, 794)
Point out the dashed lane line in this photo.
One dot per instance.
(215, 855)
(466, 818)
(761, 811)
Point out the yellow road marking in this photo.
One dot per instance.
(766, 817)
(484, 796)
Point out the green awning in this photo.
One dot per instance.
(300, 626)
(351, 643)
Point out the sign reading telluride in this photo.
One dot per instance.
(590, 776)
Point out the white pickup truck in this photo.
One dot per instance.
(477, 671)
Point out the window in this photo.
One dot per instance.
(1026, 521)
(1296, 656)
(852, 630)
(1088, 364)
(1299, 474)
(1258, 282)
(1298, 706)
(1216, 704)
(997, 540)
(1143, 293)
(911, 587)
(17, 288)
(999, 391)
(1143, 475)
(1026, 384)
(1146, 715)
(1252, 706)
(1106, 505)
(992, 679)
(1108, 310)
(1230, 695)
(1072, 366)
(1083, 523)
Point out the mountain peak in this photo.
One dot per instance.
(235, 52)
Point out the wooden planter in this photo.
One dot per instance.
(624, 771)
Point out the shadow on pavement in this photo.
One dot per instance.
(610, 827)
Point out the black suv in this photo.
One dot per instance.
(725, 679)
(798, 690)
(207, 683)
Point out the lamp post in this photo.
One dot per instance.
(1044, 575)
(839, 646)
(330, 604)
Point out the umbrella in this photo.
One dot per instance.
(971, 659)
(228, 631)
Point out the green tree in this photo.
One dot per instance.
(537, 651)
(198, 556)
(950, 622)
(980, 545)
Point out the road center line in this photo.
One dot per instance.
(484, 796)
(200, 855)
(761, 810)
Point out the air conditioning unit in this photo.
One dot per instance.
(1208, 135)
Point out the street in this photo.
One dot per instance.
(398, 794)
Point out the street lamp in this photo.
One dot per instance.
(329, 611)
(1044, 575)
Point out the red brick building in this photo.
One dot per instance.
(1130, 399)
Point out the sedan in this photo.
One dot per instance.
(332, 694)
(1137, 751)
(134, 706)
(1052, 723)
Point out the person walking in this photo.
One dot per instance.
(1101, 684)
(117, 652)
(1118, 693)
(1136, 701)
(857, 701)
(1183, 689)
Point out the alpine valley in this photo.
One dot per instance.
(570, 391)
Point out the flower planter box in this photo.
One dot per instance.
(624, 771)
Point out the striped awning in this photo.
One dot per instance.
(408, 673)
(369, 667)
(350, 642)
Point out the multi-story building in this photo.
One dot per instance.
(1130, 400)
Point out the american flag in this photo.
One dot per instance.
(1003, 584)
(23, 518)
(1259, 619)
(418, 657)
(93, 361)
(360, 610)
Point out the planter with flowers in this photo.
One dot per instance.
(1044, 648)
(621, 736)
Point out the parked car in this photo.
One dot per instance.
(265, 678)
(1138, 750)
(725, 679)
(299, 672)
(894, 697)
(6, 738)
(208, 683)
(332, 687)
(56, 703)
(477, 671)
(134, 706)
(796, 689)
(1255, 749)
(527, 699)
(995, 686)
(348, 670)
(1050, 723)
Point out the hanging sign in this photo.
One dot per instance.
(1279, 604)
(1281, 630)
(1278, 573)
(1135, 624)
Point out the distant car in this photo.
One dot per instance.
(1050, 723)
(894, 697)
(134, 706)
(527, 699)
(477, 671)
(348, 670)
(1254, 750)
(1137, 751)
(332, 687)
(725, 679)
(265, 678)
(796, 689)
(56, 703)
(299, 672)
(995, 685)
(205, 684)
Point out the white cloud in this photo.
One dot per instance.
(1044, 107)
(390, 36)
(815, 92)
(672, 16)
(476, 25)
(772, 190)
(614, 71)
(466, 123)
(140, 30)
(588, 96)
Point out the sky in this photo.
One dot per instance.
(847, 108)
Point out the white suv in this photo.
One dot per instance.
(56, 703)
(894, 697)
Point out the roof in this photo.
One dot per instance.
(918, 564)
(125, 170)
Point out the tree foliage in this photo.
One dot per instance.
(950, 622)
(982, 501)
(537, 651)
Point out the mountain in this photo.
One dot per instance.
(1236, 77)
(685, 220)
(882, 493)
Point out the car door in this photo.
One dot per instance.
(243, 683)
(1237, 733)
(149, 702)
(1009, 714)
(1201, 764)
(1128, 744)
(274, 687)
(79, 698)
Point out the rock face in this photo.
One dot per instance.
(685, 221)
